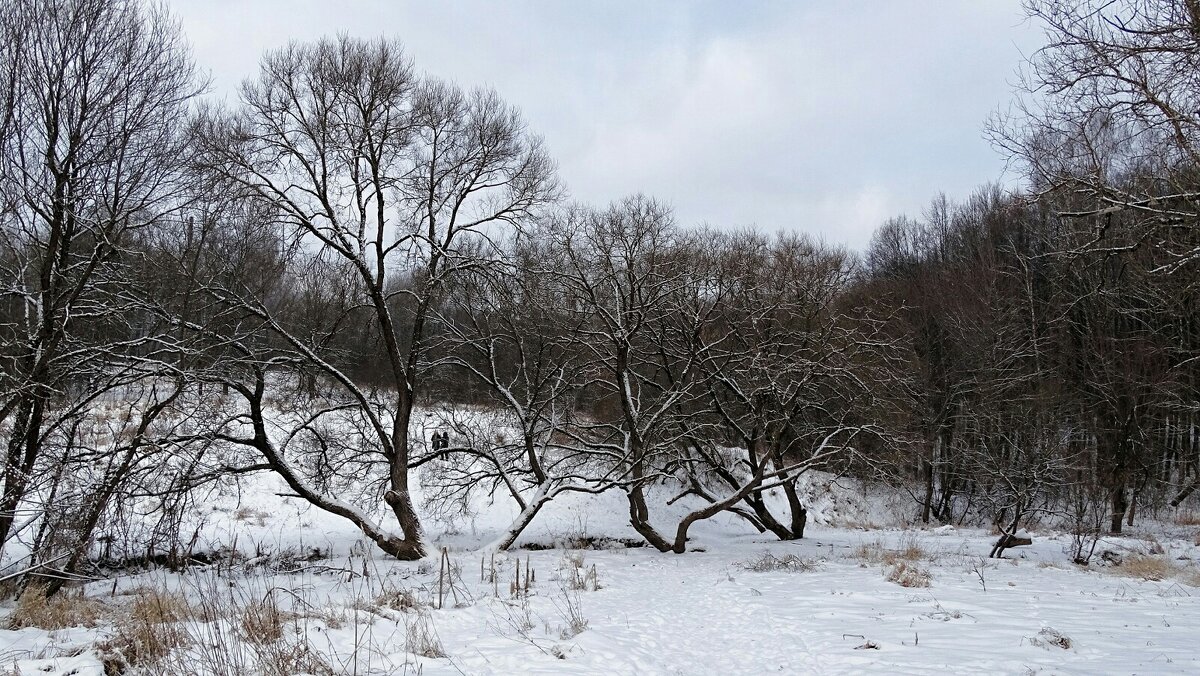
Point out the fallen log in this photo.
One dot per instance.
(1019, 539)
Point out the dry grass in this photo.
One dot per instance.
(869, 552)
(281, 657)
(908, 574)
(67, 608)
(1146, 567)
(249, 514)
(155, 606)
(908, 549)
(262, 621)
(148, 633)
(225, 633)
(851, 524)
(420, 637)
(1188, 518)
(1156, 568)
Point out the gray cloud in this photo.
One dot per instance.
(823, 117)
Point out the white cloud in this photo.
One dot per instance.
(826, 117)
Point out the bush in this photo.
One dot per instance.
(790, 563)
(1049, 636)
(907, 574)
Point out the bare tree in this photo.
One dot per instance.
(782, 376)
(400, 179)
(620, 274)
(1109, 112)
(90, 147)
(511, 329)
(660, 322)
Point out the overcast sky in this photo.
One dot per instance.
(826, 117)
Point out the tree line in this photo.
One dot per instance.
(304, 281)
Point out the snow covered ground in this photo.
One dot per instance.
(740, 603)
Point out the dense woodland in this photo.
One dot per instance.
(299, 282)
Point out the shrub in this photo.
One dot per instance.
(907, 574)
(1049, 636)
(790, 563)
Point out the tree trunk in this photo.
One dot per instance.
(399, 497)
(639, 518)
(799, 513)
(23, 448)
(532, 507)
(927, 504)
(766, 518)
(1185, 492)
(1118, 508)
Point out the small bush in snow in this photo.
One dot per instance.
(1050, 637)
(578, 575)
(768, 562)
(907, 574)
(571, 611)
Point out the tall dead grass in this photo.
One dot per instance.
(1146, 567)
(68, 608)
(149, 632)
(908, 548)
(230, 630)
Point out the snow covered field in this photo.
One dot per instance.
(740, 603)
